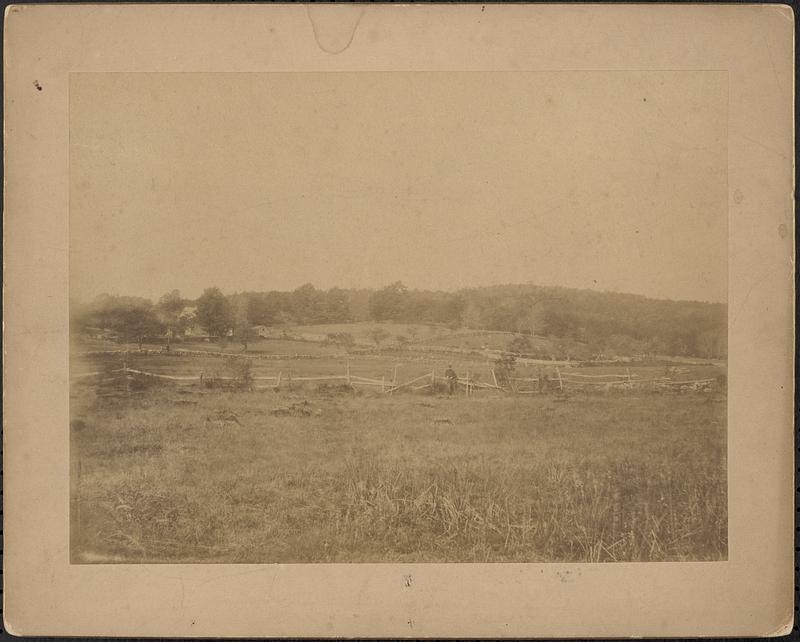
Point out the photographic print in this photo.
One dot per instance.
(398, 317)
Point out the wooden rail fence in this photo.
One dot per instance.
(468, 384)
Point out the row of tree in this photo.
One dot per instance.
(598, 322)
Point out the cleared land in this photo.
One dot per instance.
(323, 474)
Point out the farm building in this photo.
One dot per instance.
(262, 331)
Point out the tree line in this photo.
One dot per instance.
(587, 321)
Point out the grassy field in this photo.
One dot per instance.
(263, 346)
(474, 340)
(167, 474)
(361, 332)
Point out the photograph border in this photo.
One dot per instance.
(750, 594)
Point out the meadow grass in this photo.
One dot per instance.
(169, 475)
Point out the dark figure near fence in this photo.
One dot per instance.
(544, 383)
(452, 380)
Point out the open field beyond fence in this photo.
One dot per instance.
(388, 373)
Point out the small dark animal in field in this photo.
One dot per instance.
(330, 389)
(225, 416)
(299, 409)
(425, 404)
(443, 420)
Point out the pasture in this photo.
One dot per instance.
(325, 473)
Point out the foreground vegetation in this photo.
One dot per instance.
(162, 474)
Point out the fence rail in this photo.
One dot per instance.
(468, 383)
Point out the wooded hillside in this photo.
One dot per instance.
(601, 322)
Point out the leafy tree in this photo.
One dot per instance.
(137, 323)
(264, 308)
(389, 303)
(214, 312)
(531, 309)
(452, 310)
(243, 332)
(336, 306)
(171, 302)
(169, 308)
(308, 304)
(559, 323)
(103, 311)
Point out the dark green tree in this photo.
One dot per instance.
(336, 306)
(169, 308)
(308, 304)
(214, 312)
(389, 303)
(137, 323)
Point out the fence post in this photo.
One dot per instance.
(125, 373)
(348, 372)
(278, 382)
(383, 383)
(433, 381)
(560, 381)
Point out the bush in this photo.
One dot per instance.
(504, 369)
(520, 344)
(344, 339)
(242, 372)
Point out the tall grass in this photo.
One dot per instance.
(170, 478)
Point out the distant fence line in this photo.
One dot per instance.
(203, 353)
(563, 380)
(368, 353)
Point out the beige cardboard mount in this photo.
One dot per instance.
(749, 594)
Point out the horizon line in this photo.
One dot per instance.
(82, 300)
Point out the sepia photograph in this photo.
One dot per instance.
(398, 317)
(398, 321)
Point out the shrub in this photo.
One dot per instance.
(520, 344)
(504, 369)
(242, 372)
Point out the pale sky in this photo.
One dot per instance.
(601, 180)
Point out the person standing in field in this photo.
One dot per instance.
(452, 380)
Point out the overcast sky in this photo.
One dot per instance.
(602, 180)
